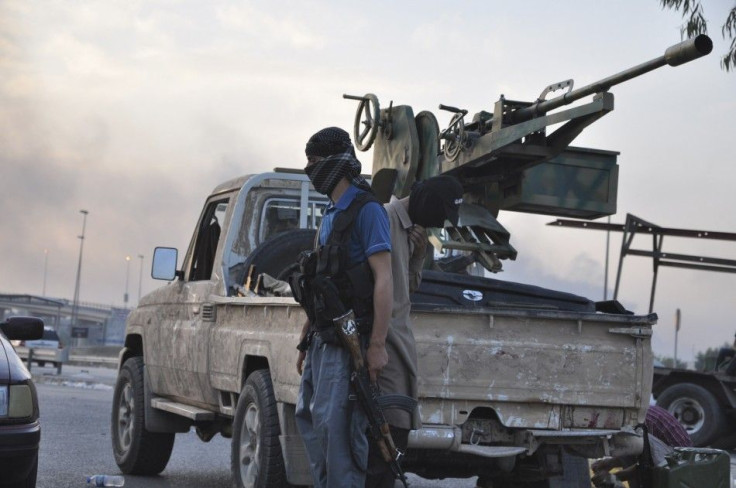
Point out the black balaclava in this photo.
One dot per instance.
(434, 200)
(334, 145)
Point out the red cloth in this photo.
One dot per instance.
(662, 425)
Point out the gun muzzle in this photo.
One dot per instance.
(688, 50)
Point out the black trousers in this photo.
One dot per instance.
(379, 473)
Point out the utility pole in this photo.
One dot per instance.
(45, 269)
(605, 272)
(140, 278)
(677, 331)
(127, 278)
(75, 305)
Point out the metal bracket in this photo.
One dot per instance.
(635, 225)
(556, 86)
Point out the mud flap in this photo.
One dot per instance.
(158, 420)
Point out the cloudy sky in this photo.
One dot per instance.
(135, 110)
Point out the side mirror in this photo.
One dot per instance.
(22, 328)
(164, 263)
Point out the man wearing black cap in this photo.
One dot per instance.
(354, 250)
(430, 203)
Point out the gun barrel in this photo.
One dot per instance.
(676, 55)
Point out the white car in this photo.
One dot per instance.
(45, 349)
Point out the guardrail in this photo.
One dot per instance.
(95, 355)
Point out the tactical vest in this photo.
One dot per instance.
(354, 282)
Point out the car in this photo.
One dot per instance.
(48, 348)
(20, 426)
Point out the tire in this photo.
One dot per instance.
(42, 363)
(696, 409)
(30, 479)
(256, 459)
(277, 255)
(136, 450)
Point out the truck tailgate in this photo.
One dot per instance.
(535, 369)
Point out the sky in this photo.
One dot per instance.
(135, 111)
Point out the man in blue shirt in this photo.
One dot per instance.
(332, 425)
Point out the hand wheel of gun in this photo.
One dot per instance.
(454, 136)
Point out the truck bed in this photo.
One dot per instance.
(538, 358)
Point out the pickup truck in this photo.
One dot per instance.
(514, 378)
(703, 401)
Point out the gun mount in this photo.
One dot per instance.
(505, 158)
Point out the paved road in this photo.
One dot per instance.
(75, 413)
(75, 439)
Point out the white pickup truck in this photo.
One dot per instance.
(513, 378)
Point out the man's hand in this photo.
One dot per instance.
(376, 357)
(300, 362)
(418, 238)
(302, 354)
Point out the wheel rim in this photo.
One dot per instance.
(249, 448)
(689, 413)
(126, 417)
(368, 108)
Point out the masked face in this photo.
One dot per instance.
(427, 213)
(435, 200)
(325, 174)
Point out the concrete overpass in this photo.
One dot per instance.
(96, 324)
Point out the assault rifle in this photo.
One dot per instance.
(367, 393)
(328, 304)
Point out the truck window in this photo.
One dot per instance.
(282, 214)
(207, 239)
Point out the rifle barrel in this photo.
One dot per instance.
(675, 55)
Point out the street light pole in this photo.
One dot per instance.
(140, 278)
(45, 269)
(75, 305)
(127, 277)
(605, 272)
(678, 318)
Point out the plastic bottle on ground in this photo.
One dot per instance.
(105, 480)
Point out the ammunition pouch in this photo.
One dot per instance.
(301, 282)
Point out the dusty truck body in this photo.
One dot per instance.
(510, 374)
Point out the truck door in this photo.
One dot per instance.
(183, 341)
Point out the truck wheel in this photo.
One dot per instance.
(256, 459)
(277, 255)
(136, 450)
(696, 409)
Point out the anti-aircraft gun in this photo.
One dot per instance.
(505, 158)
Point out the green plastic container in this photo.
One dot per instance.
(690, 466)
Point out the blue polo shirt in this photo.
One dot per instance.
(371, 232)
